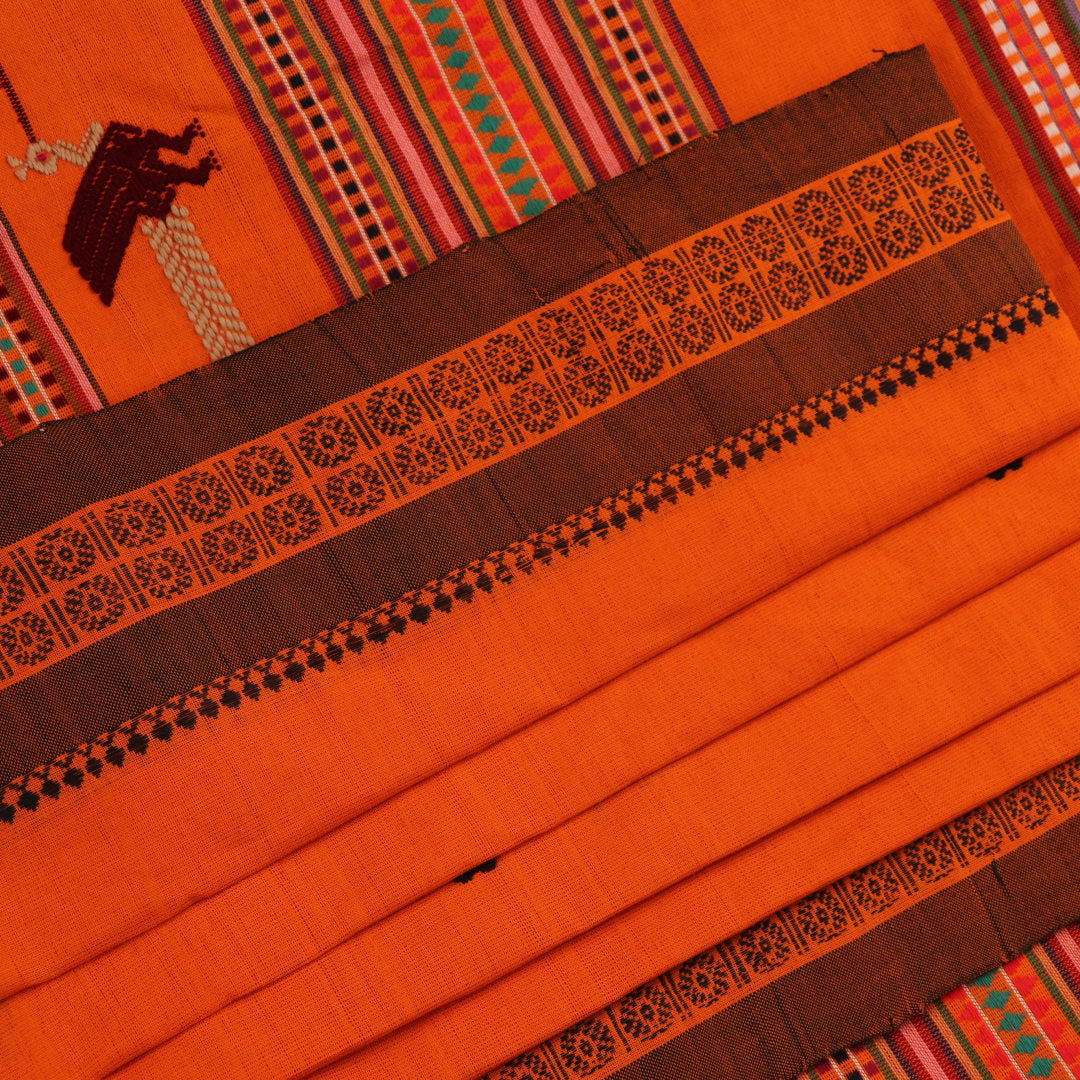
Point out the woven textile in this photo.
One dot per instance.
(1018, 1020)
(533, 573)
(355, 141)
(398, 694)
(893, 925)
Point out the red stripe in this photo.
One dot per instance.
(254, 128)
(405, 115)
(685, 48)
(1020, 100)
(1062, 36)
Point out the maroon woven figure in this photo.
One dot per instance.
(125, 180)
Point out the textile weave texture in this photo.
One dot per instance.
(1018, 1020)
(385, 133)
(354, 538)
(572, 579)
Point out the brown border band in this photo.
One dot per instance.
(208, 637)
(182, 712)
(872, 986)
(468, 293)
(1004, 901)
(120, 561)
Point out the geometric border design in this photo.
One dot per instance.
(119, 561)
(688, 994)
(158, 726)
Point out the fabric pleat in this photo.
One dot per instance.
(865, 599)
(579, 978)
(963, 427)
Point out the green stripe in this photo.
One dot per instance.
(343, 248)
(354, 127)
(1017, 121)
(606, 75)
(1059, 999)
(702, 124)
(545, 117)
(1066, 16)
(436, 126)
(879, 1060)
(962, 1039)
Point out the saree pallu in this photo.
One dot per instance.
(407, 688)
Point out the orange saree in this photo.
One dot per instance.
(639, 639)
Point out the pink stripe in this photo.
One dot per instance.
(836, 1069)
(373, 85)
(457, 116)
(601, 145)
(72, 366)
(1064, 939)
(985, 1021)
(911, 1035)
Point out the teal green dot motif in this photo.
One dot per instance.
(482, 105)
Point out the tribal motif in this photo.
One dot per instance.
(126, 179)
(399, 130)
(195, 281)
(749, 961)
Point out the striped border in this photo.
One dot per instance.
(1025, 57)
(42, 376)
(1021, 1020)
(396, 131)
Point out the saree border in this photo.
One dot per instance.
(115, 562)
(1027, 1009)
(807, 948)
(157, 726)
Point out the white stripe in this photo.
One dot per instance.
(335, 177)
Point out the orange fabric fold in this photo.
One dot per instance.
(479, 1032)
(327, 771)
(457, 842)
(295, 910)
(787, 764)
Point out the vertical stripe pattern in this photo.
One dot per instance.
(1026, 57)
(41, 375)
(398, 129)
